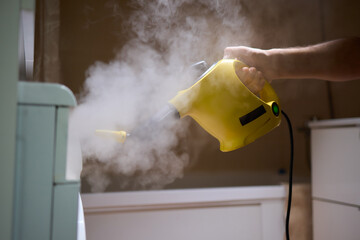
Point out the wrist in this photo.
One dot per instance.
(267, 63)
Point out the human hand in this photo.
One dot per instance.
(252, 78)
(248, 55)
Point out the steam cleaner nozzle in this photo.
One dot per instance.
(119, 136)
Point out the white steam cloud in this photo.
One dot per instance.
(168, 36)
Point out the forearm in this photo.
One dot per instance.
(337, 60)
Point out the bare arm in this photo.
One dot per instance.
(337, 60)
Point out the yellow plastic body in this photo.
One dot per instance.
(218, 101)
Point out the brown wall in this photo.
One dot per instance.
(92, 31)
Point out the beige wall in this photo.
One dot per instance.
(90, 31)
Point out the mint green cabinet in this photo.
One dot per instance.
(46, 203)
(64, 225)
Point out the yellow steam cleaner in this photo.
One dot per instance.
(223, 106)
(226, 109)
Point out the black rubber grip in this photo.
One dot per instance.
(251, 116)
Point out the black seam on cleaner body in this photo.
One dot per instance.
(251, 116)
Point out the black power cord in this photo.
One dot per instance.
(290, 173)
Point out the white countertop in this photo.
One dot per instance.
(340, 122)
